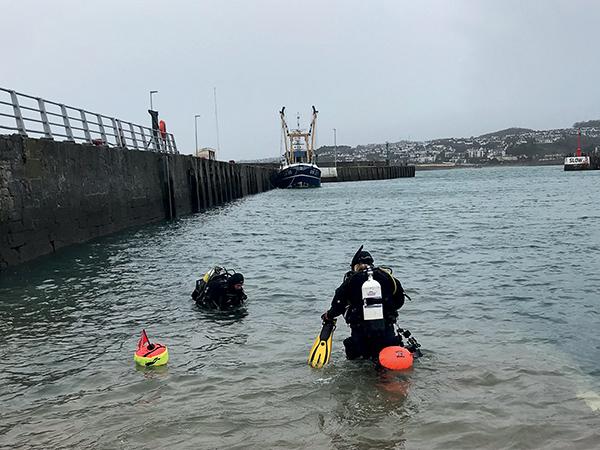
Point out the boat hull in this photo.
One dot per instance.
(298, 176)
(577, 163)
(574, 167)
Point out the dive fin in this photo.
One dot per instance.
(320, 353)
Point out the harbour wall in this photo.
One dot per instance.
(358, 171)
(54, 194)
(363, 173)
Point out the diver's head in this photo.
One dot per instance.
(236, 281)
(362, 259)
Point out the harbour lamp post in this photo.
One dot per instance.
(196, 130)
(335, 147)
(152, 92)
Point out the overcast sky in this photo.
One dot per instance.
(376, 70)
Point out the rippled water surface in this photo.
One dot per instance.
(502, 265)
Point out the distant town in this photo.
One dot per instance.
(510, 146)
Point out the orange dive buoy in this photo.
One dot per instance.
(396, 358)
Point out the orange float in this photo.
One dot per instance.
(162, 127)
(396, 358)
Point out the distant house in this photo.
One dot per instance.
(475, 153)
(206, 153)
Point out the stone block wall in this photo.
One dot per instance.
(54, 194)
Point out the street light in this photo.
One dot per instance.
(335, 147)
(152, 92)
(196, 130)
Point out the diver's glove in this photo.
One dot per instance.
(325, 318)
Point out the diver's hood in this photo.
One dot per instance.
(361, 257)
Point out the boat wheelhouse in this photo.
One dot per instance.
(298, 168)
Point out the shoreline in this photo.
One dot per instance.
(443, 166)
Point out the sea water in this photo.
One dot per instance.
(502, 265)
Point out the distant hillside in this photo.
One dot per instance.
(331, 148)
(506, 132)
(565, 145)
(511, 145)
(587, 123)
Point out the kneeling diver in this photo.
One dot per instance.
(220, 289)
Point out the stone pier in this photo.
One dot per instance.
(54, 194)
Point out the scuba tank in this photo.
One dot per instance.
(202, 283)
(208, 275)
(372, 302)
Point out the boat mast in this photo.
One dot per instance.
(312, 132)
(309, 137)
(286, 134)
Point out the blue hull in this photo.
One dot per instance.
(298, 176)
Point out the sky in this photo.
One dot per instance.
(376, 70)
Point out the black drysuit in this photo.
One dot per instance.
(368, 338)
(218, 294)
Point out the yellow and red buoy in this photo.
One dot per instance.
(149, 354)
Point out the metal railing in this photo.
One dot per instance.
(36, 117)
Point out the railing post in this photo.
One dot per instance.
(121, 134)
(133, 138)
(65, 117)
(168, 143)
(101, 127)
(173, 143)
(153, 140)
(44, 116)
(116, 133)
(17, 112)
(143, 137)
(86, 128)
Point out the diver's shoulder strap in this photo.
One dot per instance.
(388, 271)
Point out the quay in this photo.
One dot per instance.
(54, 194)
(356, 171)
(363, 171)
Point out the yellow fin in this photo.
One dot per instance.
(320, 352)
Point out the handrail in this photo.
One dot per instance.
(79, 125)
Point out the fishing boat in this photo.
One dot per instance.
(579, 161)
(298, 168)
